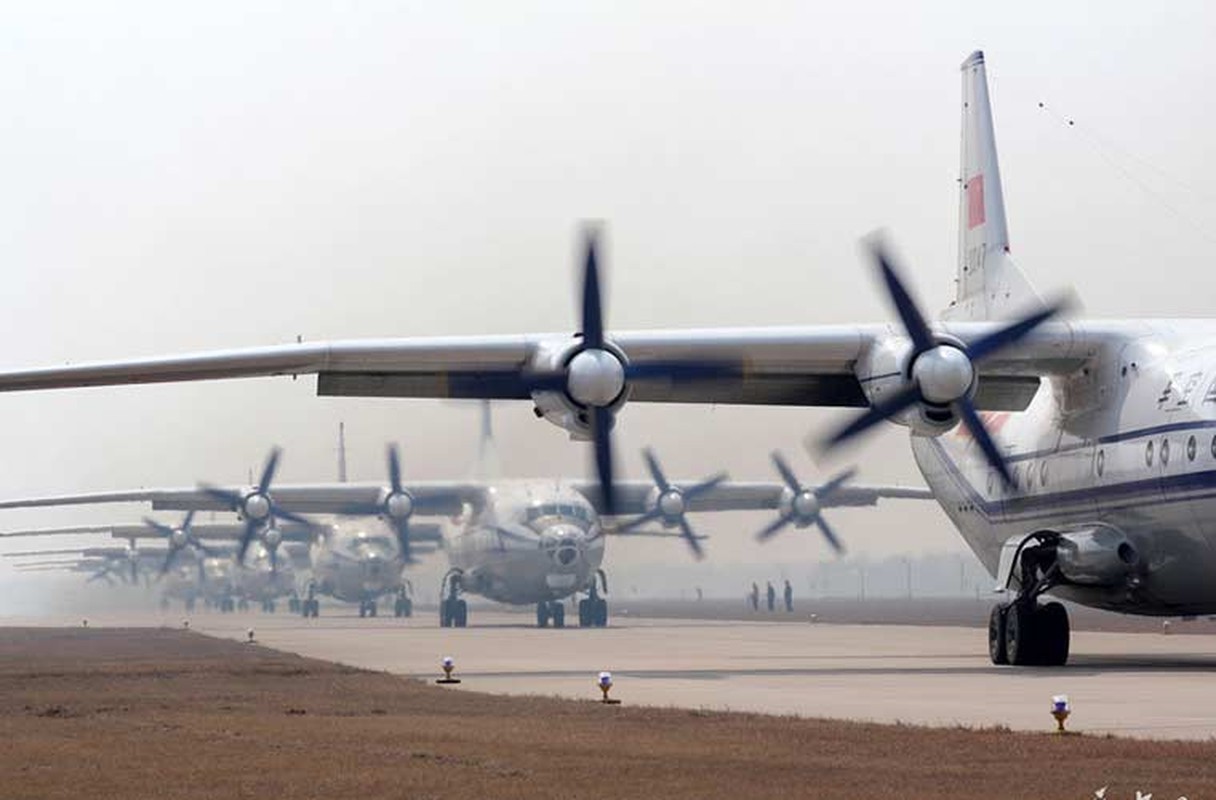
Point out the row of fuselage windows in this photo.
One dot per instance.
(1155, 452)
(565, 510)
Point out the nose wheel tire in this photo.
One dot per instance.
(403, 607)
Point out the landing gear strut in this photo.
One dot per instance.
(1023, 632)
(310, 606)
(453, 610)
(593, 609)
(403, 606)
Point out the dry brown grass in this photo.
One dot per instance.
(169, 714)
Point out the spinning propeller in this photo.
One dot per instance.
(178, 538)
(671, 503)
(258, 509)
(941, 373)
(802, 506)
(395, 506)
(597, 376)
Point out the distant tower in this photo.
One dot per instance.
(341, 452)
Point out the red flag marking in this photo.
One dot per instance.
(975, 201)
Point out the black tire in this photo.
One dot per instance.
(601, 613)
(445, 614)
(1054, 634)
(996, 635)
(407, 607)
(542, 615)
(584, 615)
(362, 609)
(1021, 635)
(372, 608)
(559, 615)
(462, 614)
(316, 608)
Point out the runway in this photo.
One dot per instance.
(1142, 685)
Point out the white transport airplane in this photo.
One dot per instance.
(520, 542)
(1092, 476)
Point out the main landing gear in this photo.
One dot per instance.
(367, 608)
(453, 610)
(593, 609)
(1023, 632)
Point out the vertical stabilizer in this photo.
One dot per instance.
(990, 285)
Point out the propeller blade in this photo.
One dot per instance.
(787, 473)
(134, 573)
(693, 542)
(770, 530)
(168, 560)
(601, 431)
(279, 512)
(704, 486)
(159, 527)
(1010, 334)
(656, 472)
(247, 537)
(829, 534)
(835, 483)
(394, 468)
(896, 403)
(272, 465)
(187, 521)
(403, 541)
(979, 432)
(905, 306)
(230, 499)
(593, 309)
(637, 522)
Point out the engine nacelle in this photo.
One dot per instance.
(890, 369)
(559, 407)
(1097, 555)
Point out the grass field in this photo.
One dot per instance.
(122, 713)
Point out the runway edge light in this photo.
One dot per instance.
(605, 685)
(1060, 709)
(448, 664)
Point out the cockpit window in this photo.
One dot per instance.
(566, 510)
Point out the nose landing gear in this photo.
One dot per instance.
(453, 610)
(310, 606)
(403, 606)
(593, 609)
(550, 610)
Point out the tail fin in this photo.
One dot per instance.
(990, 285)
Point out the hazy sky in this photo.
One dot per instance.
(183, 177)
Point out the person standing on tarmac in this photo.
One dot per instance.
(755, 597)
(789, 597)
(772, 597)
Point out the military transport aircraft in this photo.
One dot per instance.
(521, 542)
(1076, 457)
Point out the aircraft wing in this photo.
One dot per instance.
(803, 366)
(632, 496)
(430, 499)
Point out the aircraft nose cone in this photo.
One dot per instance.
(566, 555)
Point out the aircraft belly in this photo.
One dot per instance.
(526, 577)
